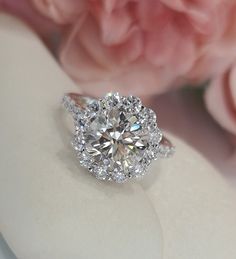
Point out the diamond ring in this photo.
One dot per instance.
(116, 137)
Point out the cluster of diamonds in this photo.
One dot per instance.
(116, 137)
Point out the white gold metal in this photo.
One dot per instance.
(116, 137)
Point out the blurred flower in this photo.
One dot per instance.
(144, 46)
(221, 100)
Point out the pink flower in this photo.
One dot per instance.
(144, 46)
(221, 100)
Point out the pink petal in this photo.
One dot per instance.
(82, 54)
(130, 50)
(115, 26)
(203, 15)
(60, 11)
(110, 5)
(89, 37)
(232, 87)
(170, 47)
(152, 15)
(217, 102)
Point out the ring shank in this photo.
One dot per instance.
(74, 103)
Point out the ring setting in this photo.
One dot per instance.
(116, 137)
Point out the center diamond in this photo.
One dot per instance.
(116, 138)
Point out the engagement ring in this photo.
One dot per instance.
(116, 137)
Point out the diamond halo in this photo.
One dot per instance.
(116, 137)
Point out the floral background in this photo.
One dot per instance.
(180, 55)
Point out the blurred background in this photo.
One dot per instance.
(179, 56)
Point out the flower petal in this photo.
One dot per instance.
(218, 101)
(61, 12)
